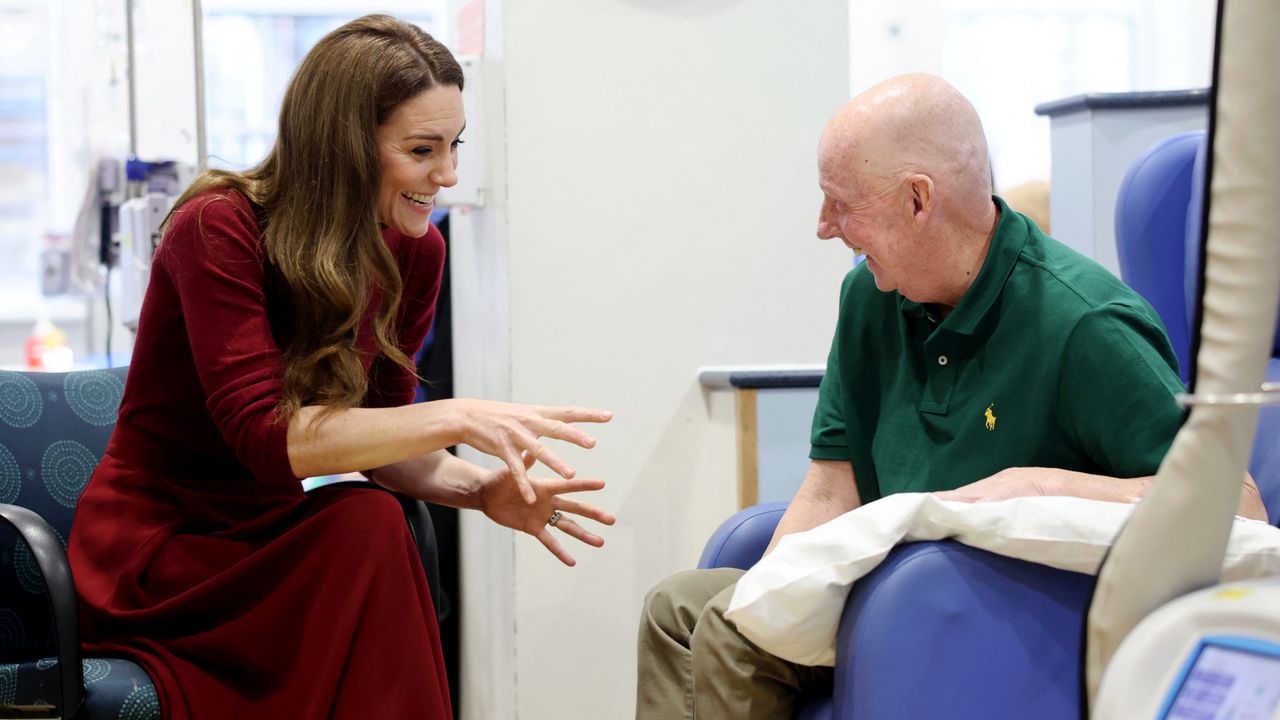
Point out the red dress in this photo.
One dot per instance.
(195, 551)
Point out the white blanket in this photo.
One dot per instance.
(790, 603)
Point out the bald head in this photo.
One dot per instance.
(905, 179)
(906, 125)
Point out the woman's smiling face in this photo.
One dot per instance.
(418, 155)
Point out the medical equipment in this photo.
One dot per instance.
(140, 220)
(1214, 653)
(1163, 640)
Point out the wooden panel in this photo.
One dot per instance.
(748, 461)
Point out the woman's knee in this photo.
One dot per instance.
(369, 516)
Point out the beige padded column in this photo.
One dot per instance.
(1175, 540)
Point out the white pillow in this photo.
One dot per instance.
(790, 603)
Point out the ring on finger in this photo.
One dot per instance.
(555, 518)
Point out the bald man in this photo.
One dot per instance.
(974, 357)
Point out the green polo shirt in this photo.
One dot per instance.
(1048, 360)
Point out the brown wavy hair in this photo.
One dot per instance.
(316, 192)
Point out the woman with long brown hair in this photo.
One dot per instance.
(274, 343)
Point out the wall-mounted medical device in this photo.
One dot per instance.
(153, 187)
(140, 220)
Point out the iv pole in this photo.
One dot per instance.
(197, 34)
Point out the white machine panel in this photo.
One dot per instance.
(1209, 655)
(140, 220)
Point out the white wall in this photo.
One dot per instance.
(658, 214)
(1007, 56)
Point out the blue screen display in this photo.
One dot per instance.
(1228, 679)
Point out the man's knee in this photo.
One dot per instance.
(676, 602)
(713, 633)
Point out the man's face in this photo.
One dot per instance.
(869, 219)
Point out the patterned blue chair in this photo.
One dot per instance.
(54, 428)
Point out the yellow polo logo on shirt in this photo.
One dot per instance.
(991, 417)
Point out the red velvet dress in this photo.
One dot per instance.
(195, 551)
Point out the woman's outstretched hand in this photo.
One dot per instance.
(501, 500)
(508, 431)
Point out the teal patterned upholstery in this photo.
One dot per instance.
(115, 689)
(54, 428)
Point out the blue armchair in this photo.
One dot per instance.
(1159, 212)
(1151, 227)
(943, 630)
(54, 428)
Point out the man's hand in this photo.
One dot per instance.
(1008, 483)
(1029, 481)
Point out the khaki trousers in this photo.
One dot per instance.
(695, 664)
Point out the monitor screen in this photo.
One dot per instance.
(1229, 681)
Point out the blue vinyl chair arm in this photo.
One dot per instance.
(994, 637)
(1264, 464)
(51, 559)
(741, 540)
(1012, 630)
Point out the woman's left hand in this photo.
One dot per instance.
(500, 499)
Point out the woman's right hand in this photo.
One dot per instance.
(506, 430)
